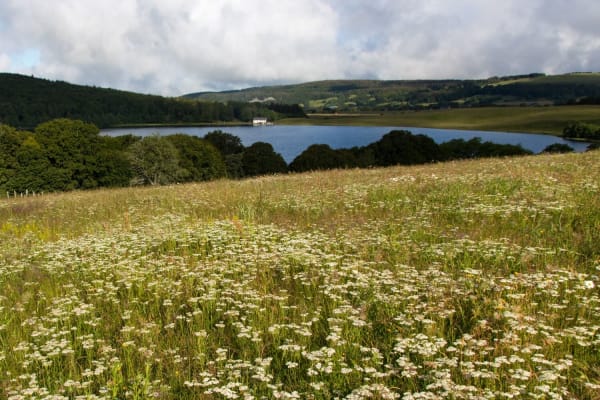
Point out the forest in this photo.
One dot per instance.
(65, 154)
(26, 102)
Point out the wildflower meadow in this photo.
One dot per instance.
(461, 280)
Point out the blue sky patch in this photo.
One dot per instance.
(26, 58)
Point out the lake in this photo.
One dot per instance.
(290, 141)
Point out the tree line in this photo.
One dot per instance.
(581, 130)
(26, 102)
(65, 154)
(400, 147)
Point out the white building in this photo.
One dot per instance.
(259, 121)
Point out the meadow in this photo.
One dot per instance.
(461, 280)
(550, 119)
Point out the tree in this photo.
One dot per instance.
(592, 146)
(364, 156)
(199, 157)
(459, 149)
(490, 149)
(34, 172)
(155, 161)
(71, 146)
(402, 147)
(10, 141)
(103, 107)
(231, 148)
(226, 143)
(113, 168)
(119, 143)
(581, 130)
(558, 148)
(235, 168)
(321, 156)
(261, 159)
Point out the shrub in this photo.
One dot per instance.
(261, 159)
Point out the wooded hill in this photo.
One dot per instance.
(26, 102)
(376, 95)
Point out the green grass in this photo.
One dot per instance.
(531, 89)
(474, 279)
(549, 120)
(575, 78)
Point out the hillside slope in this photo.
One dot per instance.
(548, 119)
(27, 101)
(473, 279)
(362, 95)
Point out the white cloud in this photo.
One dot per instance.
(469, 38)
(178, 46)
(4, 62)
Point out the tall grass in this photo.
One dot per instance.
(475, 279)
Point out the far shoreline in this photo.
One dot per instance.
(546, 120)
(221, 124)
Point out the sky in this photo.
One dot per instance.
(174, 47)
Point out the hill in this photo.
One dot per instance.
(27, 101)
(474, 279)
(547, 119)
(374, 95)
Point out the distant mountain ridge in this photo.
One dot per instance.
(383, 95)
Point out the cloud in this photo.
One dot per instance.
(5, 62)
(467, 38)
(175, 47)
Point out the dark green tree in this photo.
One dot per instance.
(320, 157)
(231, 147)
(226, 143)
(581, 130)
(10, 141)
(155, 161)
(72, 147)
(234, 166)
(490, 149)
(459, 149)
(199, 157)
(364, 156)
(113, 168)
(592, 147)
(261, 159)
(558, 148)
(402, 147)
(34, 172)
(120, 143)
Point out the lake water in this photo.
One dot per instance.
(290, 141)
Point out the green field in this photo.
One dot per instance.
(463, 280)
(549, 120)
(396, 95)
